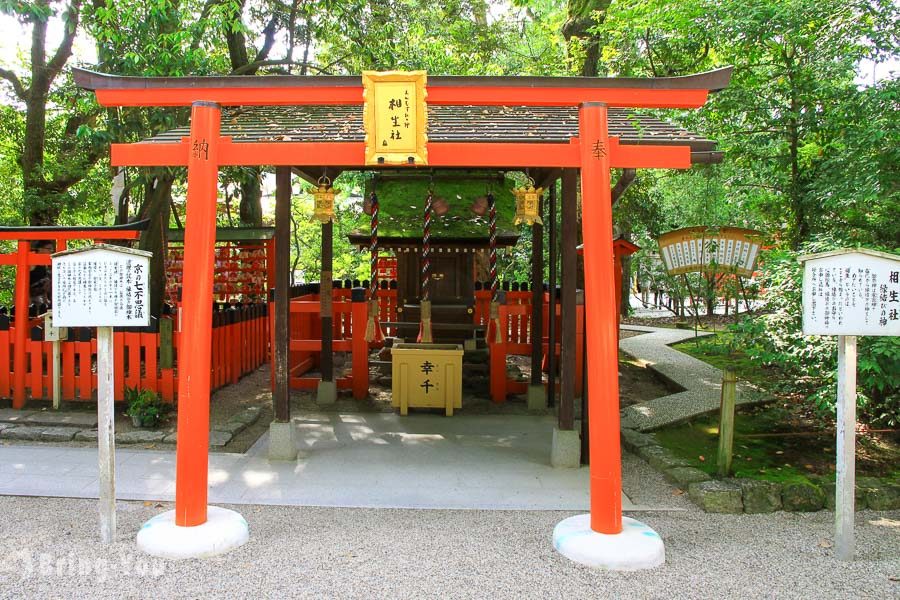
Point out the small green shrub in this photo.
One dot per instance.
(146, 407)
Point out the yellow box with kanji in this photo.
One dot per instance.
(427, 376)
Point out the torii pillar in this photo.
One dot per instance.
(193, 529)
(603, 538)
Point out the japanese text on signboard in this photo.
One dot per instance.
(100, 287)
(851, 294)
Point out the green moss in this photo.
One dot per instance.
(402, 203)
(720, 350)
(753, 458)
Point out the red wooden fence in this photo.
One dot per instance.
(305, 328)
(517, 338)
(239, 346)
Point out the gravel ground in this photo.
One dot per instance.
(50, 549)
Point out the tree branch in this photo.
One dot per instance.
(11, 77)
(252, 67)
(64, 51)
(268, 40)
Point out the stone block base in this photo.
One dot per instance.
(326, 394)
(565, 450)
(537, 397)
(281, 441)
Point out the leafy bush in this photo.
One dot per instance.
(775, 338)
(146, 406)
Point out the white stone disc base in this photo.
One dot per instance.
(636, 547)
(223, 531)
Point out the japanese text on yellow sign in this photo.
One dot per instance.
(395, 117)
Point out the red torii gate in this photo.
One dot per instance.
(23, 259)
(594, 152)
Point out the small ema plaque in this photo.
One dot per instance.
(395, 117)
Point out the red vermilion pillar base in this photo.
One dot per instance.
(192, 460)
(601, 320)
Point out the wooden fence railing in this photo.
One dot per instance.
(517, 338)
(350, 313)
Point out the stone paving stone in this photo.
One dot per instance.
(62, 419)
(802, 497)
(760, 496)
(219, 438)
(58, 434)
(12, 415)
(140, 436)
(22, 432)
(633, 440)
(717, 496)
(7, 426)
(231, 427)
(700, 381)
(86, 435)
(685, 476)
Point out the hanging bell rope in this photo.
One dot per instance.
(492, 333)
(425, 325)
(373, 326)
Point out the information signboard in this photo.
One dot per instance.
(101, 286)
(851, 292)
(848, 293)
(710, 249)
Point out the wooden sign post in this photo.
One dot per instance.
(849, 293)
(102, 286)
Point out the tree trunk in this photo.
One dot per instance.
(251, 198)
(157, 208)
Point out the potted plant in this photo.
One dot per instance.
(145, 407)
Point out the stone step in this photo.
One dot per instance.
(49, 418)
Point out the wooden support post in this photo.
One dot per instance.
(726, 423)
(359, 314)
(326, 364)
(600, 317)
(23, 300)
(568, 337)
(845, 484)
(537, 298)
(106, 434)
(166, 353)
(55, 374)
(192, 458)
(281, 352)
(551, 305)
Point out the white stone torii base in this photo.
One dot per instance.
(636, 548)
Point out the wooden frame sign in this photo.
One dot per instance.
(710, 249)
(851, 292)
(848, 293)
(101, 286)
(395, 117)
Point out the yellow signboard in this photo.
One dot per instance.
(710, 249)
(395, 117)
